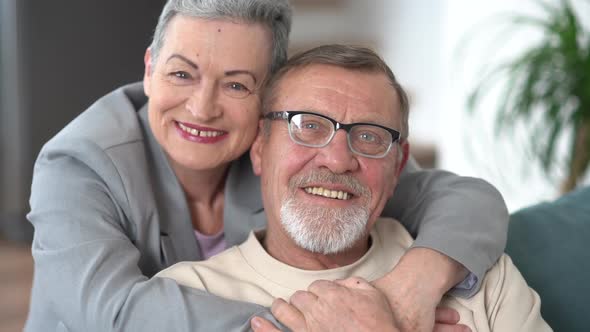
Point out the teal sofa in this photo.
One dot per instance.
(550, 244)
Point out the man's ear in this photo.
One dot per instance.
(256, 149)
(147, 60)
(402, 160)
(405, 147)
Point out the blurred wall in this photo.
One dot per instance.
(472, 145)
(56, 59)
(11, 154)
(336, 21)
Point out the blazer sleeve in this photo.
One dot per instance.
(86, 267)
(462, 217)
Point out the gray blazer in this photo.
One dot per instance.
(109, 213)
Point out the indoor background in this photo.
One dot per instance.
(56, 58)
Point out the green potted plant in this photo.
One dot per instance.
(547, 87)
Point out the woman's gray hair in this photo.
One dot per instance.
(273, 14)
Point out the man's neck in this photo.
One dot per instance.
(280, 246)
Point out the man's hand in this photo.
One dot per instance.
(352, 304)
(415, 287)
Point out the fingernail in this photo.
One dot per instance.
(255, 322)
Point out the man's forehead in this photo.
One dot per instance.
(318, 86)
(322, 76)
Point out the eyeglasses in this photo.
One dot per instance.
(316, 131)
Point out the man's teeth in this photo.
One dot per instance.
(328, 193)
(201, 133)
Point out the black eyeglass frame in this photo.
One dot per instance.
(288, 115)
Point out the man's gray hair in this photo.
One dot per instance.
(272, 14)
(345, 56)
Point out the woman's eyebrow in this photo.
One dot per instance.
(183, 58)
(227, 73)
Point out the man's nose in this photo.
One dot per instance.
(203, 103)
(337, 156)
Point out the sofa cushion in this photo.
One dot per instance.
(550, 244)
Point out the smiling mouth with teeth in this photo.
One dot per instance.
(336, 194)
(200, 133)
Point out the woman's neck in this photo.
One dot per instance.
(201, 186)
(204, 192)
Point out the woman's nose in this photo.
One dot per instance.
(203, 103)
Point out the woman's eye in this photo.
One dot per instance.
(236, 86)
(181, 75)
(236, 90)
(239, 87)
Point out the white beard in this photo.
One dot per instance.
(321, 229)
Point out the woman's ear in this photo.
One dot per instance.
(147, 60)
(256, 149)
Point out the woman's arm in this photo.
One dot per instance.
(462, 218)
(460, 225)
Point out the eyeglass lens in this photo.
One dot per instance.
(317, 131)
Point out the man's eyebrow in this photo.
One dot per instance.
(183, 58)
(240, 72)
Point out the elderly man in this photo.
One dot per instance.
(323, 190)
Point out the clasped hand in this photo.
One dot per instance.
(353, 304)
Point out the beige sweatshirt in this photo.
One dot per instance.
(247, 273)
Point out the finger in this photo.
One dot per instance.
(444, 315)
(259, 324)
(451, 328)
(320, 287)
(355, 283)
(303, 300)
(288, 315)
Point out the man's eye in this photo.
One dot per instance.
(368, 137)
(310, 125)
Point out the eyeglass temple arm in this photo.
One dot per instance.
(277, 115)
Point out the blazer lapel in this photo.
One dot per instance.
(177, 237)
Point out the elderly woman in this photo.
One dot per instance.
(155, 174)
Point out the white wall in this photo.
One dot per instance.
(471, 145)
(349, 21)
(413, 49)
